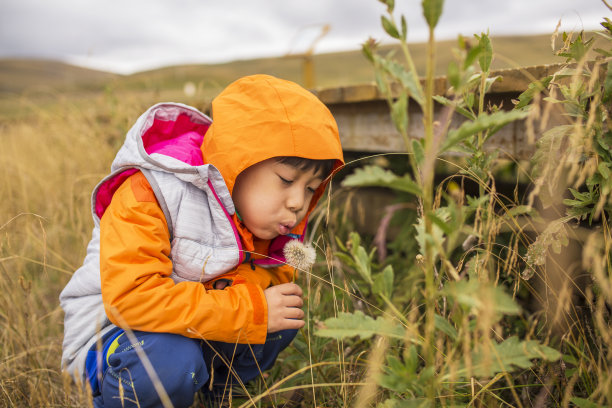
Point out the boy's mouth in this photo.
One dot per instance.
(284, 229)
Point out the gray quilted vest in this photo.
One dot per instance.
(197, 206)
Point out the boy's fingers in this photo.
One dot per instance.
(293, 324)
(293, 301)
(294, 313)
(290, 289)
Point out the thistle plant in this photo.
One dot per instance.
(449, 340)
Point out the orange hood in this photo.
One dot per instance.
(259, 117)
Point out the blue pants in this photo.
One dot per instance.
(183, 366)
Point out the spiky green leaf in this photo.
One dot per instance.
(359, 325)
(374, 176)
(432, 10)
(472, 55)
(584, 403)
(447, 102)
(399, 113)
(445, 327)
(390, 5)
(418, 151)
(486, 56)
(389, 27)
(525, 98)
(453, 75)
(436, 238)
(383, 282)
(480, 297)
(440, 223)
(379, 77)
(577, 49)
(518, 210)
(604, 170)
(408, 80)
(607, 85)
(507, 356)
(362, 263)
(367, 51)
(483, 122)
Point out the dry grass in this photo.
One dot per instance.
(50, 163)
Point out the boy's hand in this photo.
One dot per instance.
(284, 307)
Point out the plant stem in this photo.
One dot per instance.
(481, 95)
(483, 84)
(394, 309)
(428, 179)
(413, 71)
(314, 394)
(411, 67)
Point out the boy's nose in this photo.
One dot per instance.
(295, 201)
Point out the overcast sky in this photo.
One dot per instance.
(126, 36)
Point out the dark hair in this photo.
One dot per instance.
(324, 167)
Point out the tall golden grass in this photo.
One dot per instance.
(50, 162)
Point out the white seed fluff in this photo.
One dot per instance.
(298, 255)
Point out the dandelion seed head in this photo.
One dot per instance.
(298, 255)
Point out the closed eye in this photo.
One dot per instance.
(285, 181)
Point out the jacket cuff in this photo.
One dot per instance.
(258, 331)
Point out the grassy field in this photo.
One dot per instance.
(61, 127)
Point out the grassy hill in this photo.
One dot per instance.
(336, 69)
(42, 82)
(18, 76)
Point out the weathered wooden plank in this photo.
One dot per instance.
(365, 124)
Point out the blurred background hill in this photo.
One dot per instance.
(26, 83)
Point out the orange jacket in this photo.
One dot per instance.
(255, 118)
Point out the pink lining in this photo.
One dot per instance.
(236, 235)
(275, 251)
(180, 138)
(105, 193)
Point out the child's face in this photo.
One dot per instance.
(273, 197)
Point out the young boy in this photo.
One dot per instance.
(185, 262)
